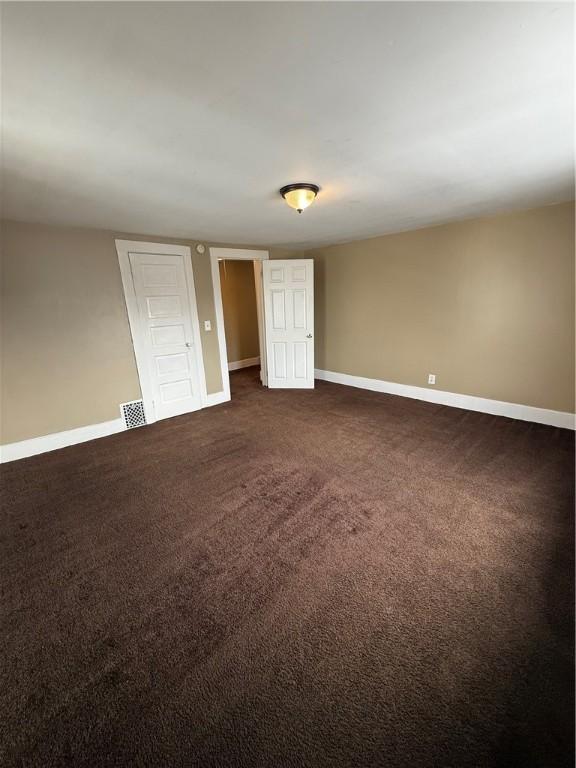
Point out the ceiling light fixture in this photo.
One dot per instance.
(299, 196)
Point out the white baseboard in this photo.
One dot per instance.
(24, 448)
(36, 445)
(217, 398)
(247, 363)
(565, 420)
(468, 402)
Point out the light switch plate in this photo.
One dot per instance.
(207, 325)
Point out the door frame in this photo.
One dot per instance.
(244, 254)
(124, 248)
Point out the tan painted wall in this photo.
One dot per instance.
(239, 305)
(67, 358)
(487, 305)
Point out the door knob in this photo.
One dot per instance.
(309, 336)
(188, 344)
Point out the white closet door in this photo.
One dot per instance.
(166, 321)
(289, 321)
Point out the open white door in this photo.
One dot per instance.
(289, 322)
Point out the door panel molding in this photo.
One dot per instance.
(289, 311)
(124, 248)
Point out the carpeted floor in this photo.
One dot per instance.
(296, 578)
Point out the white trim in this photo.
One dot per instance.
(215, 255)
(124, 248)
(246, 363)
(239, 253)
(468, 402)
(217, 398)
(219, 315)
(258, 285)
(36, 445)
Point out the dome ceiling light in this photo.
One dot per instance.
(299, 196)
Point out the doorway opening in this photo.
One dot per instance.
(238, 289)
(238, 300)
(284, 291)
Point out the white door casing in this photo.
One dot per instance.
(243, 254)
(260, 316)
(159, 289)
(288, 286)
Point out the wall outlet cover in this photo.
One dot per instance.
(431, 378)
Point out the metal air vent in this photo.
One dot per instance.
(133, 414)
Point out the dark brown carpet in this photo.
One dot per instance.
(299, 578)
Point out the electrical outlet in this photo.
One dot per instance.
(207, 325)
(431, 378)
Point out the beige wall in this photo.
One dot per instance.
(239, 306)
(67, 357)
(487, 305)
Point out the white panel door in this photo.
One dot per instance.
(289, 322)
(168, 340)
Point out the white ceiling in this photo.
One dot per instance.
(184, 119)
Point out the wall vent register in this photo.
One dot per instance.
(133, 414)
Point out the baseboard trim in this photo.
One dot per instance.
(36, 445)
(468, 402)
(246, 363)
(46, 443)
(217, 398)
(562, 419)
